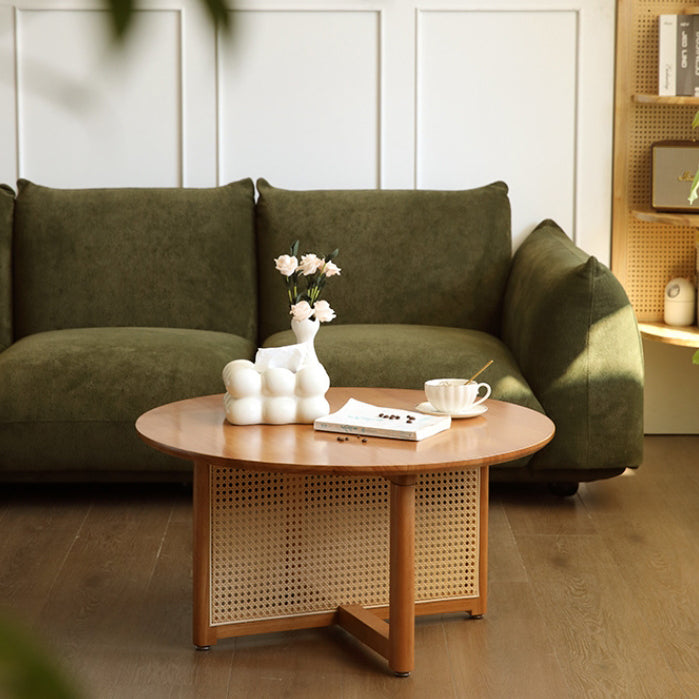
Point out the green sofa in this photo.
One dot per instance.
(113, 301)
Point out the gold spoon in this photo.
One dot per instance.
(480, 371)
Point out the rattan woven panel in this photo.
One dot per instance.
(285, 545)
(656, 252)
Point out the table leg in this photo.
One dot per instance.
(401, 635)
(203, 635)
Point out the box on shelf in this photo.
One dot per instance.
(673, 167)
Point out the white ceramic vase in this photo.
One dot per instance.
(305, 332)
(275, 396)
(278, 396)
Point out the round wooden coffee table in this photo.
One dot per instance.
(196, 430)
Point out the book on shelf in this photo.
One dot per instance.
(364, 419)
(678, 54)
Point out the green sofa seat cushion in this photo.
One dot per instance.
(407, 256)
(573, 332)
(81, 391)
(405, 356)
(169, 257)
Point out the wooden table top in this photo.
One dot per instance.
(196, 429)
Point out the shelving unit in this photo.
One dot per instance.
(685, 337)
(665, 99)
(648, 247)
(675, 219)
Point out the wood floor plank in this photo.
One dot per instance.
(165, 625)
(652, 536)
(532, 509)
(603, 639)
(508, 653)
(37, 536)
(287, 662)
(590, 596)
(165, 614)
(504, 562)
(105, 572)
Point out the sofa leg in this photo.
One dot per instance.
(563, 489)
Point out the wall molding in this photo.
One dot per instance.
(386, 153)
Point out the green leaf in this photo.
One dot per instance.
(295, 248)
(26, 670)
(218, 13)
(693, 190)
(695, 358)
(121, 14)
(332, 255)
(695, 121)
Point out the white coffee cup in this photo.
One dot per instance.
(455, 395)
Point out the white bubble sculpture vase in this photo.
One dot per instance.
(275, 396)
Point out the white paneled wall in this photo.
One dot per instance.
(299, 99)
(86, 116)
(320, 94)
(524, 110)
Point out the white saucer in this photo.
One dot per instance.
(429, 409)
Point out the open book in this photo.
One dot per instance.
(355, 417)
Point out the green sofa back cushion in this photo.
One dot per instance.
(7, 205)
(180, 258)
(407, 256)
(573, 332)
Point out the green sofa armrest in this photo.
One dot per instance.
(570, 325)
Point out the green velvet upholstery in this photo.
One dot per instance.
(75, 394)
(180, 258)
(574, 335)
(406, 256)
(405, 356)
(113, 301)
(7, 204)
(123, 299)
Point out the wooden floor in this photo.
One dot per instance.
(591, 596)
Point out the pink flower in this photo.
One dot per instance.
(310, 264)
(286, 264)
(331, 269)
(301, 310)
(323, 312)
